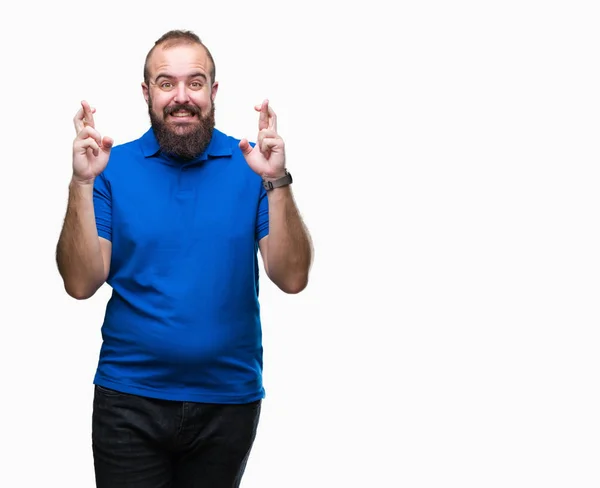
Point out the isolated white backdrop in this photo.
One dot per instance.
(445, 157)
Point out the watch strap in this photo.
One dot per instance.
(278, 183)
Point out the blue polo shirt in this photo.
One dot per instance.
(183, 320)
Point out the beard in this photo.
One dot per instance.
(189, 144)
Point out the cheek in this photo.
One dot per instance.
(157, 105)
(158, 97)
(202, 100)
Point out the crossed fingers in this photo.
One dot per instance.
(84, 117)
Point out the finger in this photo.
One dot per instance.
(272, 119)
(88, 144)
(268, 143)
(89, 133)
(88, 114)
(267, 133)
(264, 134)
(78, 121)
(263, 119)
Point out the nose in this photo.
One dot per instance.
(181, 94)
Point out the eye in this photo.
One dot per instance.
(166, 85)
(196, 85)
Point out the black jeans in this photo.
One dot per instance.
(142, 442)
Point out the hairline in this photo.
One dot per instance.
(171, 43)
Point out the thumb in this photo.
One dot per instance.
(107, 143)
(245, 147)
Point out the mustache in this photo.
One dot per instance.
(174, 108)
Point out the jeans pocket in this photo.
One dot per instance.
(107, 391)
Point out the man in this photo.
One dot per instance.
(173, 224)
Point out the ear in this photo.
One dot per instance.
(213, 92)
(145, 91)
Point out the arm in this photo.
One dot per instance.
(287, 250)
(82, 257)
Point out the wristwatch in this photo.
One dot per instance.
(278, 183)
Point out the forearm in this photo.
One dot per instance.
(78, 253)
(289, 251)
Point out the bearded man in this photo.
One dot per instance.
(173, 223)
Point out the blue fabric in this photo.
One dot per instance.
(183, 321)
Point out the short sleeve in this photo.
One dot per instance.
(262, 219)
(103, 207)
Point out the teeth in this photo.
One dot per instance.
(181, 114)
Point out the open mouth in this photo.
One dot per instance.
(182, 114)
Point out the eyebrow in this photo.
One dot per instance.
(170, 77)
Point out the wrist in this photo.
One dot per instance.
(79, 185)
(275, 176)
(270, 184)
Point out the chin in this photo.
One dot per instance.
(182, 127)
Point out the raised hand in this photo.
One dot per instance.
(90, 149)
(267, 157)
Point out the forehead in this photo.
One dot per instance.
(179, 60)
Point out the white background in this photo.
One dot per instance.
(445, 157)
